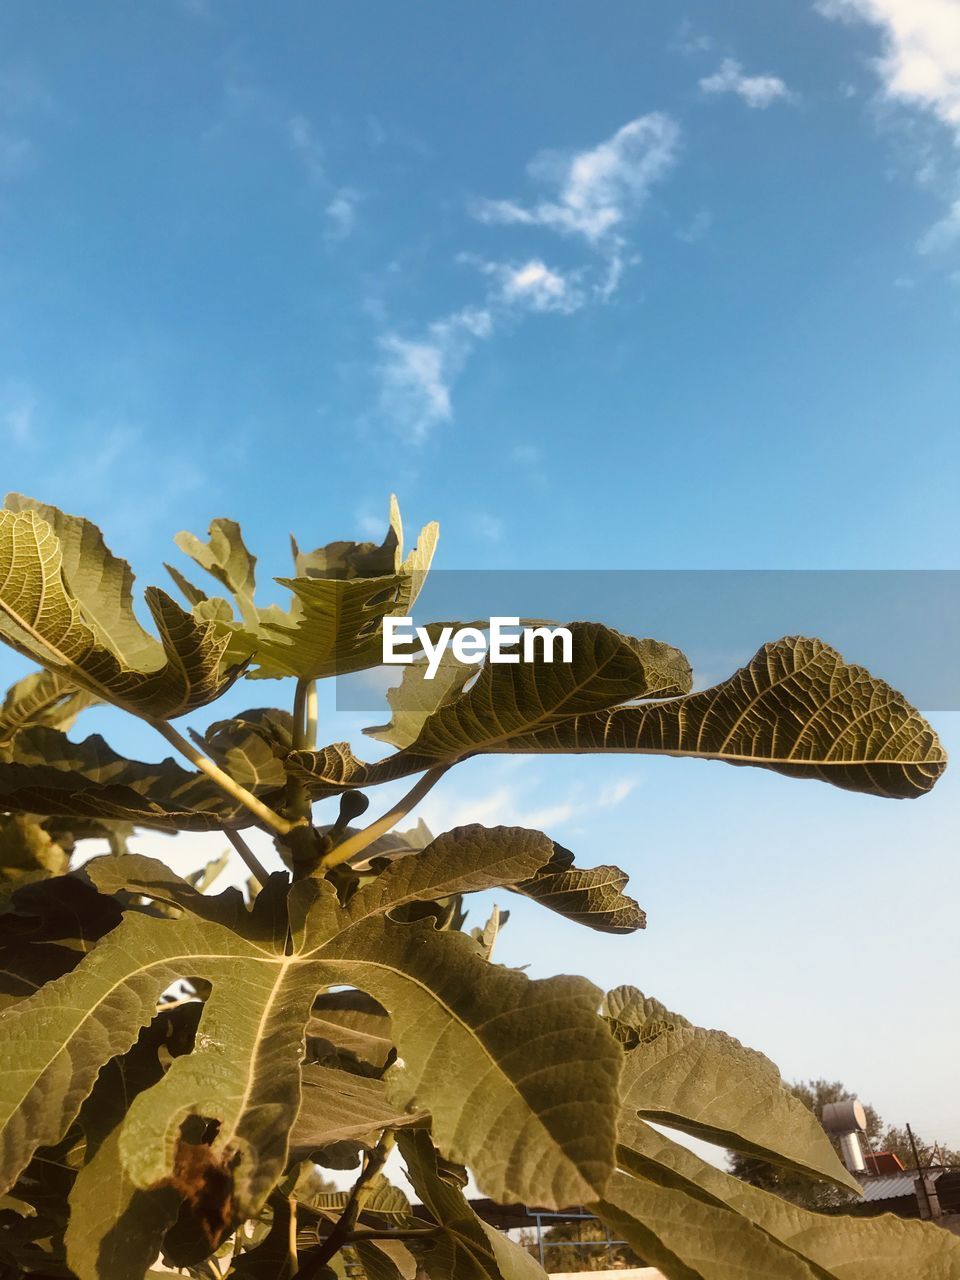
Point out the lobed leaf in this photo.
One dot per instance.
(689, 1238)
(797, 708)
(342, 593)
(48, 773)
(467, 1247)
(532, 1057)
(65, 602)
(115, 1230)
(834, 1246)
(43, 698)
(509, 701)
(593, 896)
(338, 1106)
(707, 1084)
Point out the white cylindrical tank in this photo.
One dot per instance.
(846, 1121)
(851, 1153)
(845, 1117)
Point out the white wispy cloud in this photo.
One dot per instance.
(531, 285)
(515, 803)
(342, 202)
(417, 375)
(920, 68)
(306, 146)
(944, 234)
(590, 197)
(598, 190)
(756, 91)
(921, 59)
(342, 213)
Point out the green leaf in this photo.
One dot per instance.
(688, 1238)
(797, 708)
(464, 860)
(509, 701)
(48, 773)
(467, 1248)
(386, 1260)
(48, 929)
(43, 698)
(250, 748)
(340, 1107)
(134, 873)
(532, 1057)
(592, 896)
(634, 1017)
(708, 1085)
(416, 698)
(65, 602)
(349, 560)
(352, 1030)
(482, 1045)
(25, 848)
(115, 1230)
(836, 1246)
(226, 558)
(341, 595)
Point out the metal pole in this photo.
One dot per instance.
(916, 1159)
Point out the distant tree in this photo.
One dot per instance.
(898, 1141)
(812, 1193)
(596, 1254)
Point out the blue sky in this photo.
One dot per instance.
(607, 286)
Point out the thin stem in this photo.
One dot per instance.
(292, 1235)
(305, 715)
(403, 1233)
(223, 780)
(312, 717)
(254, 865)
(317, 1259)
(360, 839)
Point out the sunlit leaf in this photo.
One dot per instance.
(709, 1085)
(797, 708)
(341, 595)
(44, 698)
(836, 1246)
(533, 1054)
(65, 602)
(48, 773)
(592, 896)
(511, 700)
(115, 1229)
(467, 1248)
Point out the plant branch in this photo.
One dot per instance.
(360, 839)
(317, 1259)
(311, 716)
(294, 1260)
(254, 865)
(222, 779)
(305, 715)
(402, 1233)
